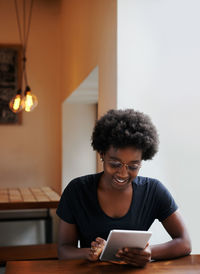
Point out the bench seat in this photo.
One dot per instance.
(28, 252)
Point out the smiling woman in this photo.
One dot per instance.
(114, 167)
(118, 198)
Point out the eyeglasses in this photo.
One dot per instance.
(118, 166)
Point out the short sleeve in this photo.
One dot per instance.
(64, 210)
(166, 204)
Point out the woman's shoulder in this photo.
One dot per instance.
(141, 180)
(83, 181)
(150, 183)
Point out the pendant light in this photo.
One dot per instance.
(23, 99)
(30, 100)
(17, 103)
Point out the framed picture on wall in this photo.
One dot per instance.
(10, 81)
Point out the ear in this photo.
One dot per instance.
(102, 156)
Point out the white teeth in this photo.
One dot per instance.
(121, 181)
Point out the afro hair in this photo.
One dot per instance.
(125, 128)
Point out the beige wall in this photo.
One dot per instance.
(85, 33)
(30, 153)
(89, 40)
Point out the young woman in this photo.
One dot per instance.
(118, 198)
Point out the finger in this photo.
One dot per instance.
(96, 250)
(119, 253)
(94, 254)
(136, 260)
(136, 254)
(100, 241)
(92, 257)
(95, 246)
(136, 251)
(93, 243)
(140, 258)
(93, 249)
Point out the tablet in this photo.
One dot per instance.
(123, 238)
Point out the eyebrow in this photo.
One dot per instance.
(117, 159)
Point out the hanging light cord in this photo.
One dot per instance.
(24, 37)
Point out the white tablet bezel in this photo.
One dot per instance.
(123, 238)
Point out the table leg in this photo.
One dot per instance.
(48, 228)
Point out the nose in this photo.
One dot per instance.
(123, 171)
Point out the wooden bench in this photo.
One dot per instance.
(32, 198)
(28, 252)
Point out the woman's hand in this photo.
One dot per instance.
(135, 256)
(96, 249)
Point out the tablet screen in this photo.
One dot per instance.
(123, 238)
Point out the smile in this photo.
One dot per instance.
(121, 181)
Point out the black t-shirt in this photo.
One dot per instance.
(79, 205)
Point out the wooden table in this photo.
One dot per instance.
(185, 265)
(30, 198)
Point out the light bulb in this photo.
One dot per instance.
(17, 103)
(30, 101)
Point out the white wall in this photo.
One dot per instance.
(78, 156)
(158, 73)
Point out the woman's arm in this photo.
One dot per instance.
(68, 241)
(180, 245)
